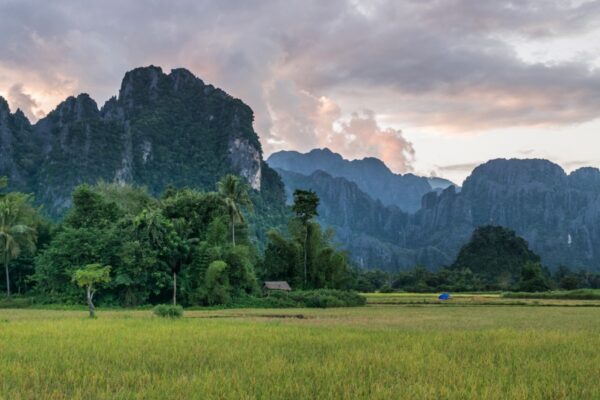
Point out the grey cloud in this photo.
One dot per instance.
(429, 63)
(23, 101)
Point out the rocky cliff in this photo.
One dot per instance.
(558, 214)
(161, 129)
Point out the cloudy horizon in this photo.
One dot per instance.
(431, 87)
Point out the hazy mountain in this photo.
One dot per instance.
(370, 174)
(161, 129)
(558, 214)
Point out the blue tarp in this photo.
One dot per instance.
(444, 296)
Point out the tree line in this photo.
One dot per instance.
(494, 259)
(186, 246)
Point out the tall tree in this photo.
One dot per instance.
(305, 208)
(235, 196)
(16, 229)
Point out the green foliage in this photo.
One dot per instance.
(17, 230)
(235, 197)
(305, 205)
(217, 286)
(579, 294)
(168, 311)
(91, 275)
(284, 259)
(320, 298)
(326, 298)
(16, 302)
(533, 278)
(495, 253)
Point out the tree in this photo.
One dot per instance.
(16, 230)
(496, 254)
(89, 276)
(533, 278)
(157, 230)
(235, 195)
(305, 208)
(217, 284)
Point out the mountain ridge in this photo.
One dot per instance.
(557, 213)
(369, 173)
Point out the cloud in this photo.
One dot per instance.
(320, 122)
(310, 68)
(23, 101)
(462, 168)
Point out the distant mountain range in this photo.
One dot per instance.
(370, 174)
(558, 214)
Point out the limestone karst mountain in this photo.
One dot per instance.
(161, 129)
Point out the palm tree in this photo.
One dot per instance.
(235, 195)
(16, 232)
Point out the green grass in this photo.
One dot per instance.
(373, 352)
(485, 299)
(579, 294)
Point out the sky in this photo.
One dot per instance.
(433, 87)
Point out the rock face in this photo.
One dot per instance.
(558, 215)
(162, 129)
(370, 174)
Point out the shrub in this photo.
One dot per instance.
(168, 311)
(386, 289)
(217, 287)
(16, 302)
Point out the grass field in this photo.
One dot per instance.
(374, 352)
(480, 299)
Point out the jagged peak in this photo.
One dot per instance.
(76, 108)
(4, 105)
(21, 118)
(141, 77)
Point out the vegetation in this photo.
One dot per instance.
(579, 294)
(496, 254)
(188, 247)
(375, 352)
(88, 277)
(168, 311)
(305, 208)
(235, 196)
(17, 229)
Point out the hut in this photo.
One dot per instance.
(280, 286)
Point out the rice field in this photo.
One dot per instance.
(397, 351)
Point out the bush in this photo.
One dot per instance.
(168, 311)
(386, 289)
(217, 287)
(16, 302)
